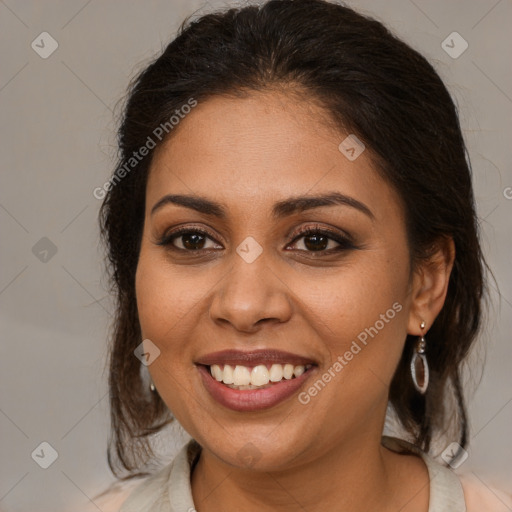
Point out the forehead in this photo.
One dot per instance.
(266, 146)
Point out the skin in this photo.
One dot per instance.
(248, 153)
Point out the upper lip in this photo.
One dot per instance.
(253, 357)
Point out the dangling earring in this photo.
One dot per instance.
(152, 386)
(419, 365)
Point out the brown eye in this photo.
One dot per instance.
(186, 239)
(317, 240)
(192, 241)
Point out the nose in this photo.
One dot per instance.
(251, 295)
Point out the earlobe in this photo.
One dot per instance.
(430, 284)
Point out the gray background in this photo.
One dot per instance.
(57, 145)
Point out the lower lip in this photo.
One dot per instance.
(245, 400)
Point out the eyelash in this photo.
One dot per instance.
(345, 243)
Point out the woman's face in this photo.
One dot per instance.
(253, 282)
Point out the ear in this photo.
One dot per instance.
(430, 285)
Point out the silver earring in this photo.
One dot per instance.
(419, 365)
(152, 386)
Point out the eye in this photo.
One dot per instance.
(321, 240)
(187, 239)
(314, 240)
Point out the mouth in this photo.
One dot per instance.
(262, 376)
(250, 381)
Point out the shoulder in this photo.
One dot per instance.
(481, 496)
(137, 494)
(457, 491)
(113, 498)
(165, 490)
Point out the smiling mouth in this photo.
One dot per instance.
(262, 376)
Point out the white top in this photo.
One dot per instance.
(169, 489)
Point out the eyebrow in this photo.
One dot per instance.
(280, 209)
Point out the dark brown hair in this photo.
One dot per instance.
(371, 84)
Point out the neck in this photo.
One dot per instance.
(355, 476)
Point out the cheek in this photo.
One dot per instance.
(152, 299)
(351, 298)
(359, 313)
(165, 296)
(165, 299)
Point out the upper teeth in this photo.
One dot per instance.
(258, 376)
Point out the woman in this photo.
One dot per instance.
(293, 240)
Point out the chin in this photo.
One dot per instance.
(247, 449)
